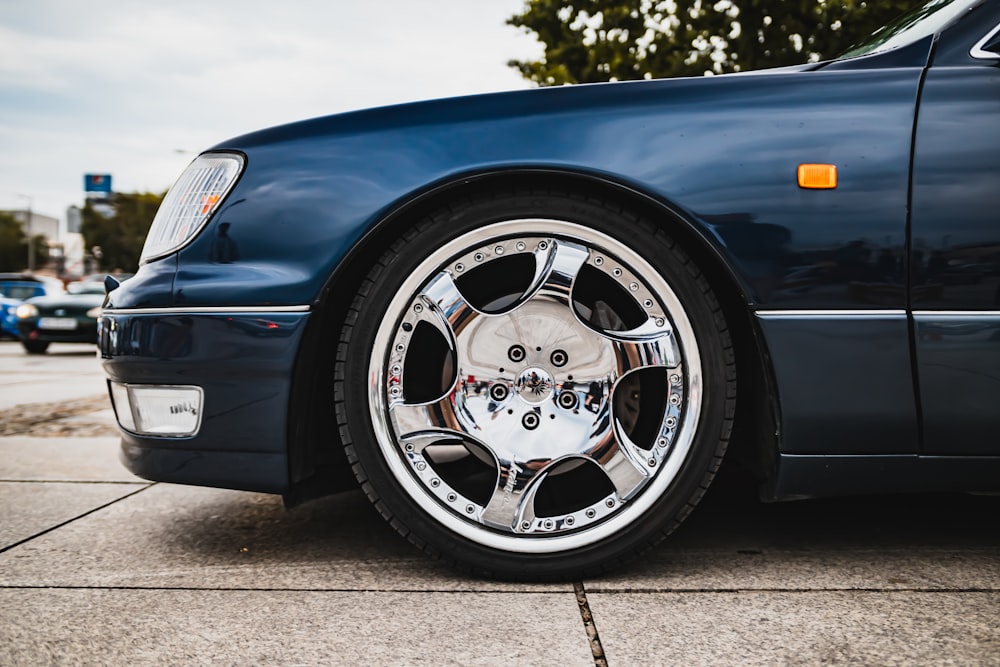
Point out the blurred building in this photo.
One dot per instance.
(45, 225)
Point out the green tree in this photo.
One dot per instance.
(615, 40)
(121, 230)
(14, 245)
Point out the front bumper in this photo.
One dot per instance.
(243, 361)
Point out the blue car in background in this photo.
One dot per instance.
(531, 325)
(15, 288)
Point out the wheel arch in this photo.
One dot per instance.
(317, 463)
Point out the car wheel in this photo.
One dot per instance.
(35, 346)
(535, 386)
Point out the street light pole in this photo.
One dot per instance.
(31, 238)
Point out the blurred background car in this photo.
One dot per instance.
(63, 318)
(8, 316)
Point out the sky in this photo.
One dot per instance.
(136, 88)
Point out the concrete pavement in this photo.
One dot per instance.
(99, 567)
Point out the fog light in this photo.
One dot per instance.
(160, 410)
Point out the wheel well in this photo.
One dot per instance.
(317, 463)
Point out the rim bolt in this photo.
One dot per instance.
(499, 392)
(418, 308)
(651, 463)
(530, 421)
(671, 422)
(648, 303)
(469, 509)
(633, 286)
(559, 358)
(409, 447)
(421, 466)
(662, 442)
(395, 391)
(516, 353)
(451, 497)
(498, 250)
(598, 261)
(525, 525)
(675, 379)
(617, 273)
(570, 521)
(396, 369)
(479, 257)
(674, 399)
(610, 502)
(459, 267)
(549, 524)
(520, 245)
(399, 346)
(660, 321)
(542, 245)
(435, 482)
(566, 400)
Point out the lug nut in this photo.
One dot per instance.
(566, 400)
(530, 421)
(499, 392)
(516, 353)
(559, 358)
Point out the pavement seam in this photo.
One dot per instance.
(730, 591)
(596, 648)
(76, 518)
(73, 481)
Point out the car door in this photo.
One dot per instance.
(955, 241)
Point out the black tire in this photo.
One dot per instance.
(597, 475)
(35, 346)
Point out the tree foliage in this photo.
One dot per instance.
(14, 245)
(120, 232)
(615, 40)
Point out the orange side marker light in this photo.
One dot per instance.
(818, 176)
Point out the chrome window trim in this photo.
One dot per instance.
(206, 310)
(957, 314)
(979, 52)
(828, 314)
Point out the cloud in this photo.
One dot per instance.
(119, 86)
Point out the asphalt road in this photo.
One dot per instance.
(99, 567)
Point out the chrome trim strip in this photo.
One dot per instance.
(206, 310)
(827, 314)
(958, 314)
(979, 52)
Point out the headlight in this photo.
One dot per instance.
(190, 203)
(26, 311)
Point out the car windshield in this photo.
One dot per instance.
(927, 19)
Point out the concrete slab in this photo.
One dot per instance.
(187, 537)
(733, 542)
(29, 509)
(128, 627)
(62, 459)
(807, 628)
(66, 372)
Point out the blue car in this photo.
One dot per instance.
(14, 290)
(532, 325)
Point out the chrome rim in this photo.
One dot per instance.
(535, 385)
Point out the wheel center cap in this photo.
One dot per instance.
(534, 385)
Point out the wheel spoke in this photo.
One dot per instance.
(449, 312)
(626, 472)
(556, 267)
(512, 499)
(435, 420)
